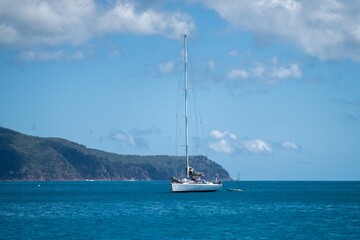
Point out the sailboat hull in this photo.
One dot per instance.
(195, 187)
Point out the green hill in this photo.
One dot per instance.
(24, 157)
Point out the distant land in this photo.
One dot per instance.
(25, 158)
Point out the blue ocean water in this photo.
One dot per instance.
(149, 210)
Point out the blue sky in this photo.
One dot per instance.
(277, 81)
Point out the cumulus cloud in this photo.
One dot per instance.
(290, 145)
(57, 55)
(46, 22)
(238, 74)
(26, 23)
(327, 29)
(124, 137)
(292, 71)
(222, 146)
(166, 67)
(228, 143)
(135, 138)
(125, 17)
(257, 146)
(267, 73)
(218, 134)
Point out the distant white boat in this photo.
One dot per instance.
(238, 177)
(130, 179)
(234, 190)
(192, 182)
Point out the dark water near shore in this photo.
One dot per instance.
(148, 210)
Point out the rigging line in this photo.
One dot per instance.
(178, 100)
(200, 136)
(194, 117)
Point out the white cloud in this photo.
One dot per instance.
(272, 73)
(221, 146)
(292, 71)
(135, 138)
(124, 17)
(41, 55)
(77, 56)
(258, 71)
(26, 23)
(7, 34)
(124, 137)
(218, 134)
(228, 143)
(47, 22)
(57, 55)
(166, 67)
(257, 146)
(290, 145)
(327, 29)
(238, 74)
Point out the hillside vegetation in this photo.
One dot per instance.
(24, 157)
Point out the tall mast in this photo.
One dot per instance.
(186, 108)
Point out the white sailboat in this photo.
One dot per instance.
(192, 182)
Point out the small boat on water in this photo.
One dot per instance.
(234, 190)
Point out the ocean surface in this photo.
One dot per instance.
(149, 210)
